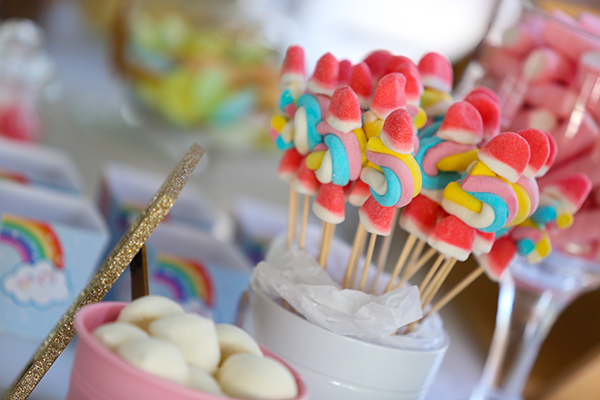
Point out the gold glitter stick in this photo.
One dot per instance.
(114, 265)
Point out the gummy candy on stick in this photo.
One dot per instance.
(437, 76)
(526, 187)
(361, 81)
(483, 242)
(489, 109)
(305, 183)
(485, 199)
(377, 220)
(293, 73)
(288, 168)
(398, 179)
(551, 156)
(345, 70)
(436, 72)
(291, 83)
(452, 237)
(414, 86)
(377, 62)
(454, 141)
(339, 160)
(325, 77)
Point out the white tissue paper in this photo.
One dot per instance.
(295, 276)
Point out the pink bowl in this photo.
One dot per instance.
(99, 374)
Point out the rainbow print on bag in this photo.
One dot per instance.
(38, 278)
(186, 280)
(34, 241)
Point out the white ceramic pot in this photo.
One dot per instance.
(340, 367)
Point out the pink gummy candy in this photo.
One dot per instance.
(377, 61)
(539, 145)
(507, 155)
(289, 164)
(344, 110)
(498, 259)
(489, 110)
(420, 216)
(330, 204)
(361, 81)
(345, 72)
(397, 133)
(405, 66)
(462, 124)
(389, 95)
(574, 188)
(376, 218)
(359, 193)
(452, 237)
(325, 78)
(293, 69)
(436, 72)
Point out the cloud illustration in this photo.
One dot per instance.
(40, 284)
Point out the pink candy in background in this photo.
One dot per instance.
(17, 122)
(546, 72)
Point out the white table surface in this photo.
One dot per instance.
(87, 123)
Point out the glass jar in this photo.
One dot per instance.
(545, 67)
(194, 62)
(25, 72)
(546, 71)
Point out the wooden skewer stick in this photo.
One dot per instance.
(414, 256)
(304, 221)
(410, 273)
(410, 242)
(455, 291)
(368, 257)
(449, 296)
(328, 238)
(449, 264)
(431, 273)
(292, 213)
(356, 245)
(361, 250)
(324, 235)
(384, 252)
(138, 270)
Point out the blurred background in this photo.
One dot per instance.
(137, 81)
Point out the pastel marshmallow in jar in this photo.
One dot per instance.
(156, 357)
(194, 335)
(247, 376)
(146, 309)
(114, 334)
(233, 340)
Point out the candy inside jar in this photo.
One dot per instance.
(25, 70)
(194, 63)
(150, 348)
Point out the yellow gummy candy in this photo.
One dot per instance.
(372, 129)
(432, 96)
(454, 193)
(457, 162)
(564, 220)
(314, 159)
(278, 122)
(420, 119)
(544, 247)
(480, 168)
(524, 205)
(362, 142)
(415, 171)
